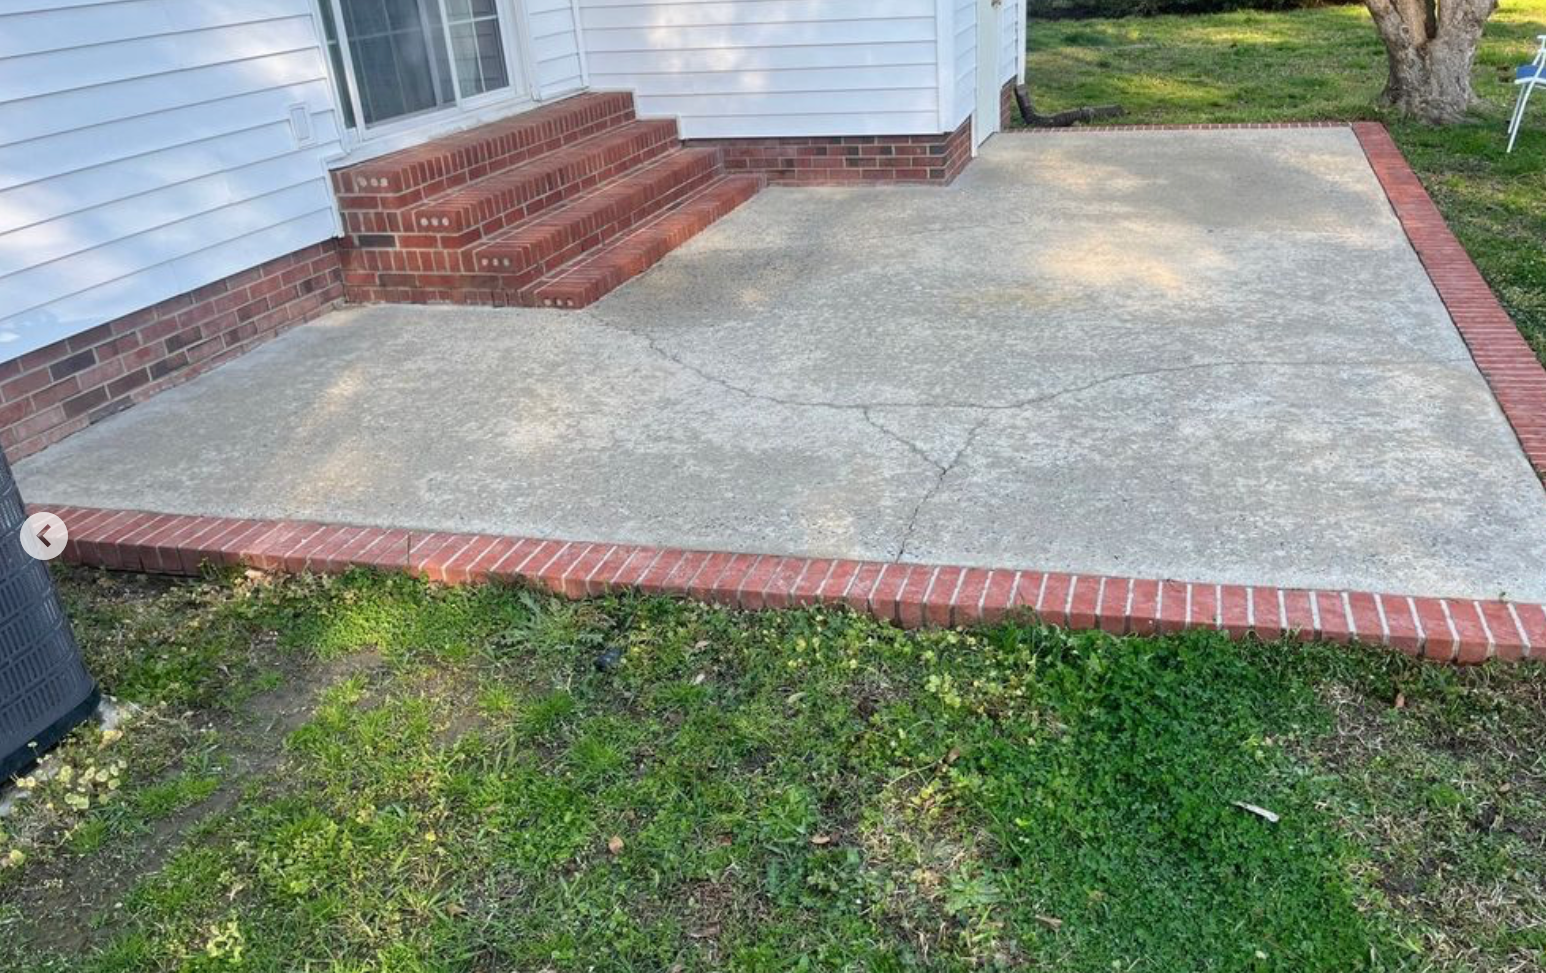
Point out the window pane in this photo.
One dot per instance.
(404, 14)
(414, 72)
(480, 58)
(477, 46)
(491, 55)
(375, 65)
(335, 55)
(468, 9)
(400, 59)
(430, 12)
(364, 18)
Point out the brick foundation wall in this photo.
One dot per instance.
(49, 393)
(1008, 108)
(838, 159)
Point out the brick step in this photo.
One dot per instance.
(464, 215)
(588, 279)
(402, 179)
(525, 253)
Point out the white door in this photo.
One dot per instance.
(986, 118)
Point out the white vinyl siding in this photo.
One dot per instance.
(555, 47)
(737, 68)
(965, 61)
(1012, 36)
(146, 150)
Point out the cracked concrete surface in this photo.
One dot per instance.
(1197, 355)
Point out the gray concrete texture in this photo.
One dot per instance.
(1196, 355)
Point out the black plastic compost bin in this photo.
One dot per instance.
(44, 688)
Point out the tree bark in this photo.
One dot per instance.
(1431, 47)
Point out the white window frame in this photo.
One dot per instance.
(363, 141)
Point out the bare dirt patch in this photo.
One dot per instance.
(79, 892)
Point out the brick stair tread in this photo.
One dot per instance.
(585, 280)
(405, 177)
(506, 197)
(561, 233)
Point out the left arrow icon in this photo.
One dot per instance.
(44, 535)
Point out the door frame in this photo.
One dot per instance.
(362, 142)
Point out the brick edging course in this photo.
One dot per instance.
(1501, 353)
(1442, 629)
(1188, 127)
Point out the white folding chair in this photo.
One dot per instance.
(1529, 76)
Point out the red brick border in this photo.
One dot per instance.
(1502, 355)
(1443, 629)
(1192, 127)
(59, 389)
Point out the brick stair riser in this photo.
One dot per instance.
(588, 283)
(524, 282)
(398, 275)
(543, 237)
(602, 236)
(585, 283)
(517, 281)
(404, 179)
(387, 228)
(564, 234)
(501, 214)
(459, 222)
(377, 210)
(585, 286)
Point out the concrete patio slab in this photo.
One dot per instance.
(1194, 355)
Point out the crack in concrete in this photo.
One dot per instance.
(942, 469)
(865, 409)
(939, 484)
(654, 345)
(921, 453)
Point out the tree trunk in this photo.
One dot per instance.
(1431, 48)
(1430, 81)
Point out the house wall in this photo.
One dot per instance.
(964, 14)
(1012, 39)
(1008, 62)
(760, 68)
(146, 151)
(555, 47)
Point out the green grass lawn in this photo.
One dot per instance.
(370, 773)
(1329, 64)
